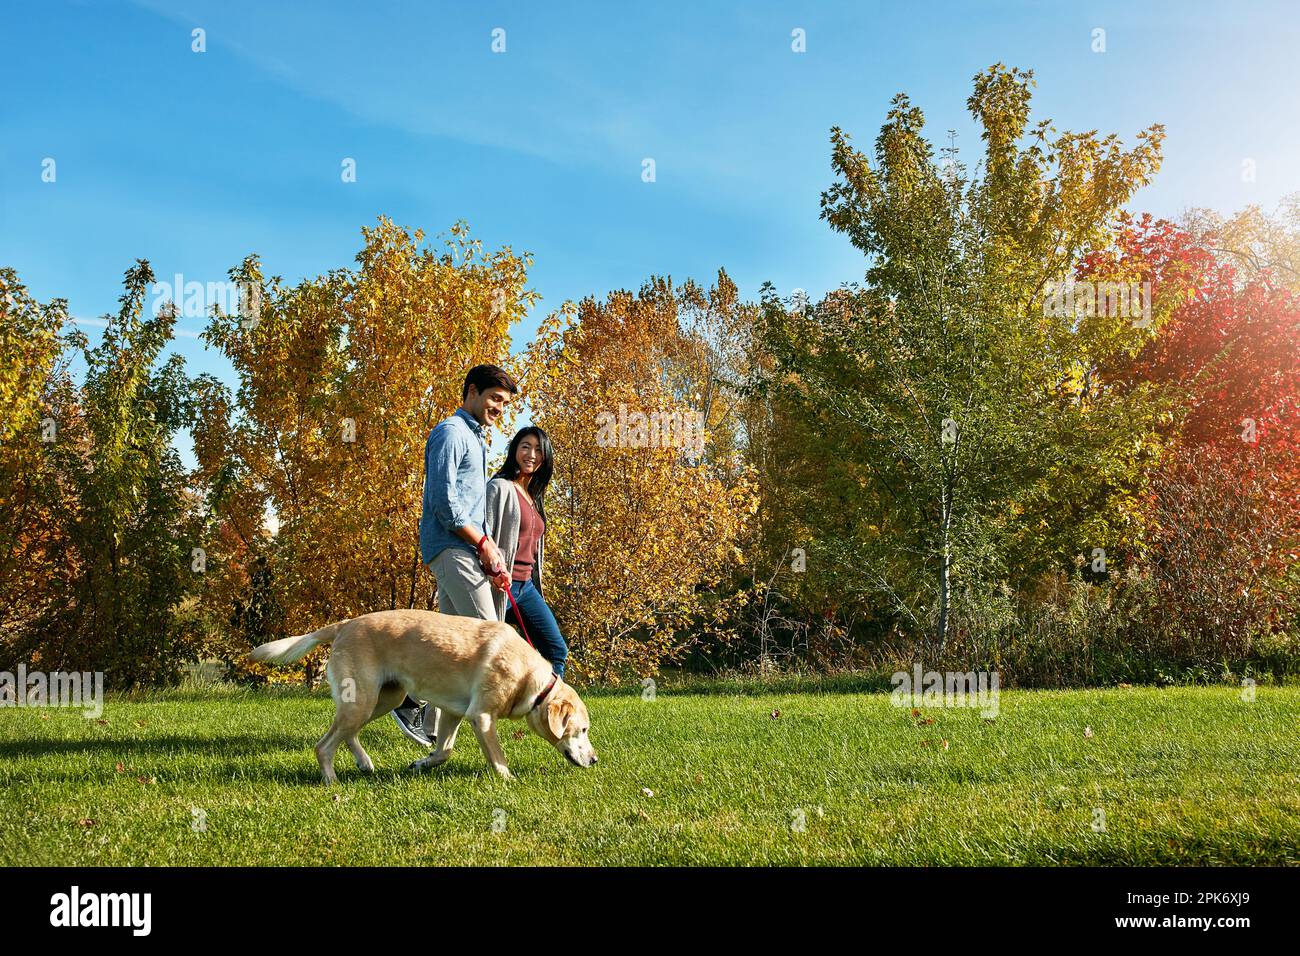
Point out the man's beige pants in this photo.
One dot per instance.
(463, 590)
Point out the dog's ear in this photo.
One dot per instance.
(557, 716)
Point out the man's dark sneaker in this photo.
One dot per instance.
(410, 720)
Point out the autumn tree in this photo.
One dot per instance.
(964, 439)
(649, 499)
(119, 564)
(1223, 513)
(34, 384)
(1254, 242)
(341, 377)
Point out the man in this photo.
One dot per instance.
(452, 540)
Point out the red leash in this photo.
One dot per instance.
(520, 618)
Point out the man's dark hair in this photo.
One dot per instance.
(483, 377)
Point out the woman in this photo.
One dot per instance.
(516, 520)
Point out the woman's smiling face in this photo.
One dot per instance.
(528, 456)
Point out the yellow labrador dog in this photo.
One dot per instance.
(464, 666)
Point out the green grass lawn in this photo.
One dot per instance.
(701, 775)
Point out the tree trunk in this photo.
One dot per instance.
(945, 568)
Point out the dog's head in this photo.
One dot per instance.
(562, 721)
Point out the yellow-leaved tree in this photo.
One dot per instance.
(34, 383)
(650, 503)
(341, 379)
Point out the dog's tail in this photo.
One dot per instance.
(290, 649)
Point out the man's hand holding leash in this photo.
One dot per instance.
(493, 564)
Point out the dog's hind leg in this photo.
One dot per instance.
(364, 763)
(389, 696)
(445, 728)
(348, 721)
(325, 749)
(354, 701)
(448, 724)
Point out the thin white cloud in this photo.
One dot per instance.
(103, 324)
(430, 84)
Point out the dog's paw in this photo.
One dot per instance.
(424, 764)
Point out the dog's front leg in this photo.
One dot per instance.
(485, 729)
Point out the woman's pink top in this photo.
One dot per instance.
(531, 527)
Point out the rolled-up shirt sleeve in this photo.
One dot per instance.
(442, 455)
(490, 512)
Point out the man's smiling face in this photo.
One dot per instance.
(487, 406)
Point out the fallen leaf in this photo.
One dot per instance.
(699, 778)
(915, 712)
(775, 714)
(85, 822)
(101, 721)
(119, 768)
(945, 745)
(519, 735)
(1087, 731)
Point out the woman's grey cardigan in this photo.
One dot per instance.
(503, 517)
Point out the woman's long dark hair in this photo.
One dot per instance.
(541, 477)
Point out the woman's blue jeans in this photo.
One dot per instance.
(540, 624)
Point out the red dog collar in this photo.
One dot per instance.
(542, 696)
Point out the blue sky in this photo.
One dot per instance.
(193, 160)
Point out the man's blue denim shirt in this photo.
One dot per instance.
(455, 484)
